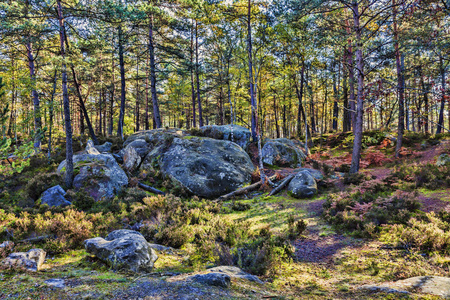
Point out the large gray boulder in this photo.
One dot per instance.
(31, 260)
(283, 153)
(302, 185)
(123, 249)
(241, 135)
(97, 174)
(54, 196)
(202, 166)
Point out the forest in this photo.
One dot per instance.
(208, 149)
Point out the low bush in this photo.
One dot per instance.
(363, 215)
(430, 233)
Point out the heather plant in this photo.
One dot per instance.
(360, 214)
(430, 233)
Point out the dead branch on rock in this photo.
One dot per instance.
(243, 190)
(282, 184)
(150, 189)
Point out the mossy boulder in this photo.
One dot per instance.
(283, 153)
(98, 175)
(303, 185)
(201, 166)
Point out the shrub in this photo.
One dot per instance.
(295, 228)
(364, 215)
(428, 234)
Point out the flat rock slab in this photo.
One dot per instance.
(56, 282)
(235, 272)
(433, 285)
(31, 260)
(214, 279)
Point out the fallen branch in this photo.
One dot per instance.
(282, 184)
(150, 189)
(38, 239)
(243, 190)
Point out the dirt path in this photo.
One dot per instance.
(318, 245)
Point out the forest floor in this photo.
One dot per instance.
(328, 263)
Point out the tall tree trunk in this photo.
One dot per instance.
(83, 108)
(356, 154)
(111, 104)
(401, 96)
(254, 112)
(200, 112)
(37, 114)
(68, 126)
(122, 84)
(50, 125)
(137, 98)
(351, 77)
(151, 47)
(346, 122)
(335, 104)
(147, 125)
(441, 111)
(300, 98)
(194, 113)
(276, 116)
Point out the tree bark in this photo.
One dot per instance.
(151, 47)
(401, 96)
(441, 111)
(194, 112)
(200, 112)
(254, 112)
(49, 150)
(356, 154)
(122, 84)
(34, 93)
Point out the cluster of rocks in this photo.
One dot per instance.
(125, 250)
(210, 164)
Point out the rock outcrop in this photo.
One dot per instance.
(283, 153)
(97, 174)
(302, 185)
(202, 166)
(241, 135)
(123, 249)
(31, 260)
(54, 196)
